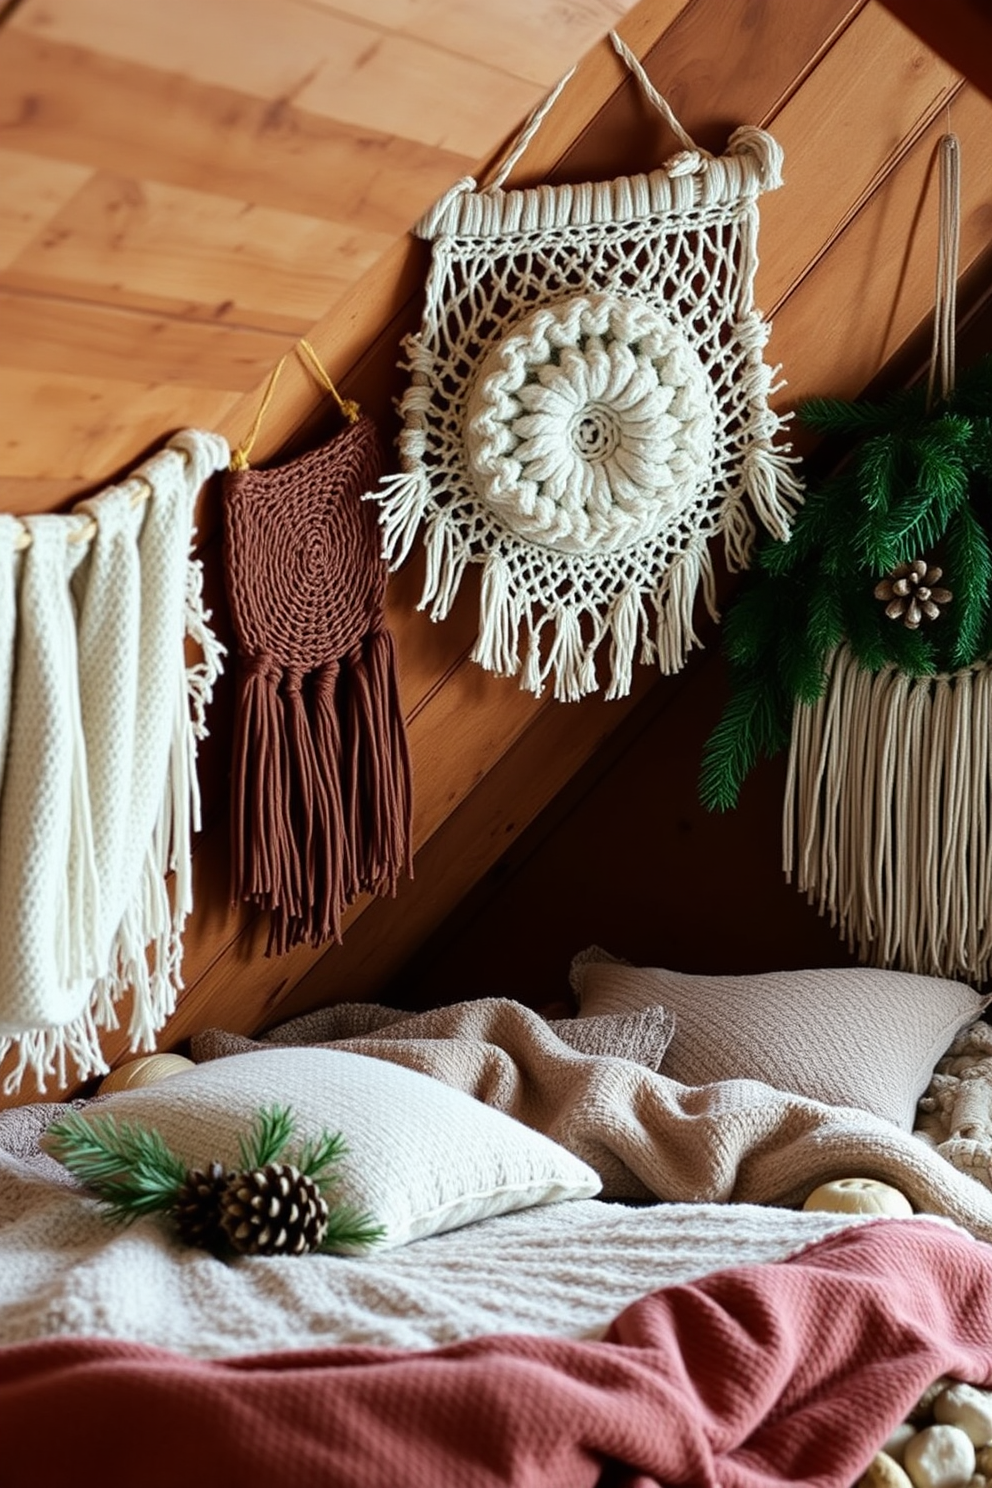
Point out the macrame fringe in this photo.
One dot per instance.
(887, 821)
(45, 1053)
(576, 632)
(674, 633)
(402, 500)
(322, 791)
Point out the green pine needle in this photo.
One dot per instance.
(349, 1229)
(750, 726)
(131, 1170)
(272, 1129)
(969, 557)
(319, 1155)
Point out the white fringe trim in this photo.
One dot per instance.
(146, 958)
(887, 817)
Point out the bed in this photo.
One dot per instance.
(594, 1271)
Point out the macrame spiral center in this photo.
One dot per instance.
(595, 433)
(591, 424)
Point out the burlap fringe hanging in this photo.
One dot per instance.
(887, 823)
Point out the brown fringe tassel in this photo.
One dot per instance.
(321, 797)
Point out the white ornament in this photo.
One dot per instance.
(860, 1196)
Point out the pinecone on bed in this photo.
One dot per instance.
(196, 1211)
(273, 1210)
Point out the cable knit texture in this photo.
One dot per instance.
(101, 712)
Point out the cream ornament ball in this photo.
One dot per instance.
(968, 1408)
(860, 1196)
(939, 1457)
(148, 1070)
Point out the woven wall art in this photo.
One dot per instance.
(588, 405)
(321, 794)
(864, 646)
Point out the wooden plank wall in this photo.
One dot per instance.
(144, 288)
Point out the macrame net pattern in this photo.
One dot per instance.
(587, 407)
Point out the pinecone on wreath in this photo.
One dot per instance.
(273, 1210)
(911, 594)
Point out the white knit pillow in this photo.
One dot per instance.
(422, 1157)
(846, 1036)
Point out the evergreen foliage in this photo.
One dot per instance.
(916, 484)
(133, 1172)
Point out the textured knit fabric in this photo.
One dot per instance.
(321, 789)
(421, 1156)
(587, 407)
(850, 1036)
(101, 712)
(738, 1141)
(754, 1377)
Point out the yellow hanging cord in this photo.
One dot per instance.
(239, 457)
(348, 407)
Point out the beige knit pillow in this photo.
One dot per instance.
(846, 1036)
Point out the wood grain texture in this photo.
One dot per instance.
(142, 297)
(168, 171)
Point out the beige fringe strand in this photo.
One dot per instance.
(887, 816)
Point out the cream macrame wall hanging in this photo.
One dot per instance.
(588, 406)
(100, 714)
(863, 645)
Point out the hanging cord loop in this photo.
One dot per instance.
(346, 406)
(534, 121)
(945, 306)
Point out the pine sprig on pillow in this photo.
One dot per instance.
(133, 1172)
(131, 1169)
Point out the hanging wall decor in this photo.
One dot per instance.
(862, 645)
(588, 406)
(321, 803)
(100, 714)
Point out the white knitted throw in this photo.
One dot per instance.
(587, 407)
(100, 714)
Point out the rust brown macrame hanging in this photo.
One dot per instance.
(321, 793)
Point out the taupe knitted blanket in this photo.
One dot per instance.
(737, 1141)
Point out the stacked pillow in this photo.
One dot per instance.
(846, 1036)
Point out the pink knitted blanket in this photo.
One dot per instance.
(754, 1377)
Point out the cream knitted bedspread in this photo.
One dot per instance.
(562, 1269)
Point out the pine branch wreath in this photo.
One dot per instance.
(891, 554)
(273, 1206)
